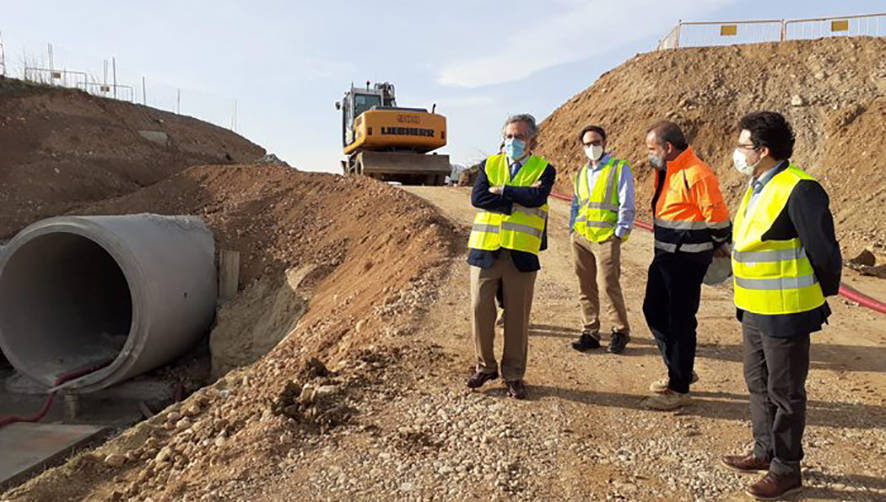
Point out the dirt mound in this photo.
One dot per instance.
(367, 256)
(63, 147)
(250, 327)
(831, 90)
(292, 230)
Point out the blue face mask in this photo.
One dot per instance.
(514, 148)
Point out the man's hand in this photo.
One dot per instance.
(722, 251)
(537, 184)
(497, 190)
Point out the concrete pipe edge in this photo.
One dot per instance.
(168, 263)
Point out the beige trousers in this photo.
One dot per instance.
(598, 267)
(517, 289)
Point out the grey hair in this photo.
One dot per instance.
(526, 118)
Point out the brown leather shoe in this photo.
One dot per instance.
(479, 378)
(747, 464)
(516, 389)
(774, 487)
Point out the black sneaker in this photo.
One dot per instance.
(618, 342)
(585, 342)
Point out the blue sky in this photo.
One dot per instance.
(286, 63)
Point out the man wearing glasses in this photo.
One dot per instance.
(511, 194)
(785, 261)
(601, 219)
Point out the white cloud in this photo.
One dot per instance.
(583, 30)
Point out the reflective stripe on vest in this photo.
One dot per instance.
(772, 277)
(521, 230)
(689, 225)
(598, 207)
(776, 284)
(685, 247)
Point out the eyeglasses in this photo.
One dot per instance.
(747, 147)
(521, 137)
(597, 142)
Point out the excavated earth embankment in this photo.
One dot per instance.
(62, 147)
(833, 91)
(357, 258)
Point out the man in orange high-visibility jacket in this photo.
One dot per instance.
(691, 225)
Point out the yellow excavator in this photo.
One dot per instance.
(391, 143)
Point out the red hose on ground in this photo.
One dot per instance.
(4, 421)
(847, 292)
(50, 398)
(862, 299)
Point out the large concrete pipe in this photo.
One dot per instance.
(125, 294)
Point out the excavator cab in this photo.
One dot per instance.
(359, 100)
(388, 142)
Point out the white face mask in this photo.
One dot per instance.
(594, 152)
(740, 161)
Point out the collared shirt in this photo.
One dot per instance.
(514, 167)
(626, 208)
(759, 182)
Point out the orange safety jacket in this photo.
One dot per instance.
(690, 214)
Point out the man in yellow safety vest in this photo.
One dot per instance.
(601, 219)
(785, 261)
(511, 194)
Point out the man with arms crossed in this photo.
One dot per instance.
(511, 196)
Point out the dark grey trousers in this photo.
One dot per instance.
(775, 371)
(673, 292)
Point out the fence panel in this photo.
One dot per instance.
(873, 25)
(64, 78)
(728, 33)
(702, 34)
(671, 40)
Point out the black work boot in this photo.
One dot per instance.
(618, 342)
(587, 341)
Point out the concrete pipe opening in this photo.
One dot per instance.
(109, 296)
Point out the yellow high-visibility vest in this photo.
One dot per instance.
(598, 207)
(772, 276)
(522, 229)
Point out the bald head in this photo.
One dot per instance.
(664, 143)
(665, 131)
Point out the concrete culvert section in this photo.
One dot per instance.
(121, 293)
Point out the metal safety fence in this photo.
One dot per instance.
(872, 25)
(124, 84)
(65, 78)
(712, 33)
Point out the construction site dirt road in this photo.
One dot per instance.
(419, 434)
(366, 289)
(584, 422)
